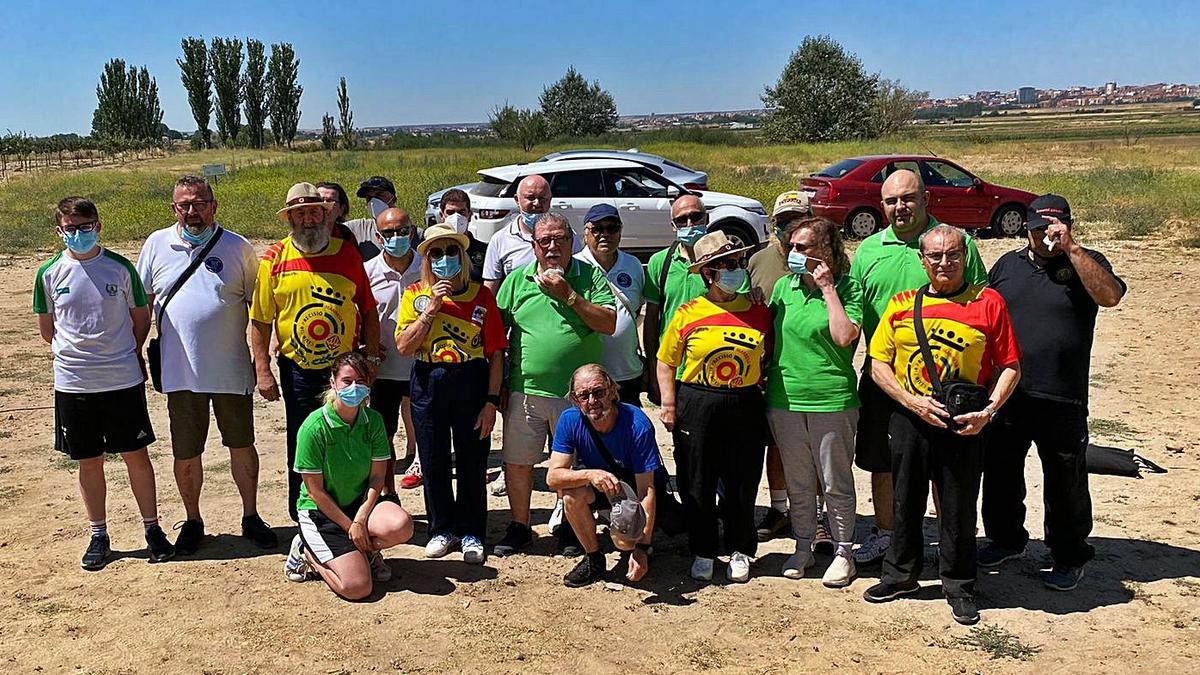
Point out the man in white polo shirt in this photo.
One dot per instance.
(204, 353)
(512, 246)
(626, 278)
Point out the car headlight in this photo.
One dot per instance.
(756, 209)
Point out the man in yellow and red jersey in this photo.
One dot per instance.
(312, 290)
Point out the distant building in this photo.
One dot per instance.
(1027, 96)
(1110, 88)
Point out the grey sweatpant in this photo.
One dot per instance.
(817, 449)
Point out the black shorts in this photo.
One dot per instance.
(88, 425)
(630, 391)
(871, 451)
(386, 396)
(325, 538)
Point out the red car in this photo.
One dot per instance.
(848, 193)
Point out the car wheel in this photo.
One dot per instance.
(863, 223)
(1009, 221)
(739, 233)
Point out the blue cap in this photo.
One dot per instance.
(601, 212)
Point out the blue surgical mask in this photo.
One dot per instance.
(196, 239)
(397, 246)
(81, 242)
(529, 219)
(446, 267)
(354, 394)
(691, 234)
(731, 281)
(798, 262)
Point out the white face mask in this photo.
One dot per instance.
(376, 206)
(458, 221)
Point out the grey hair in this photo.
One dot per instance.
(192, 180)
(590, 369)
(553, 219)
(943, 229)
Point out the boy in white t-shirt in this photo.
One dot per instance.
(91, 309)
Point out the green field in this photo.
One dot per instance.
(1133, 187)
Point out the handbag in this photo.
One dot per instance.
(1107, 461)
(959, 397)
(668, 512)
(153, 348)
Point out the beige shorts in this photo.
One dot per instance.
(188, 411)
(529, 420)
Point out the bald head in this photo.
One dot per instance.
(904, 201)
(533, 194)
(686, 204)
(391, 219)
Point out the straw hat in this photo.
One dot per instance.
(442, 231)
(712, 246)
(301, 195)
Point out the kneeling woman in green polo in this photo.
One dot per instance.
(341, 453)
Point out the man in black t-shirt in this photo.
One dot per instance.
(1054, 288)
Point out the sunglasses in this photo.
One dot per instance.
(604, 229)
(695, 217)
(952, 257)
(439, 253)
(588, 394)
(726, 264)
(396, 232)
(545, 242)
(198, 205)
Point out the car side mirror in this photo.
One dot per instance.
(672, 192)
(977, 183)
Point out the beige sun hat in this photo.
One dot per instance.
(301, 195)
(442, 231)
(712, 246)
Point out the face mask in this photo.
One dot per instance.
(458, 221)
(798, 262)
(354, 394)
(529, 219)
(731, 280)
(376, 206)
(446, 267)
(81, 242)
(196, 239)
(691, 234)
(397, 246)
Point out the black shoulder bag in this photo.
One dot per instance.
(668, 514)
(153, 349)
(958, 397)
(647, 375)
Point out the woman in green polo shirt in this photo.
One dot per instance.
(341, 453)
(812, 399)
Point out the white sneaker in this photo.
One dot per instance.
(739, 567)
(472, 550)
(840, 572)
(296, 567)
(874, 548)
(797, 563)
(379, 568)
(702, 569)
(498, 488)
(440, 545)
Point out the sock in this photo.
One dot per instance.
(844, 548)
(779, 500)
(149, 523)
(99, 527)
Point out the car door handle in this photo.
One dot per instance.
(630, 206)
(563, 205)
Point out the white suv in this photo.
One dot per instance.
(641, 195)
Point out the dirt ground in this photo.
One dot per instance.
(229, 609)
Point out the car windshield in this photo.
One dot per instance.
(840, 169)
(489, 187)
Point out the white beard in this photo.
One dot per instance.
(311, 240)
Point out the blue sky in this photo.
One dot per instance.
(409, 63)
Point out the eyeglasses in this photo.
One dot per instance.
(81, 227)
(604, 229)
(396, 232)
(588, 394)
(439, 253)
(545, 242)
(695, 217)
(953, 256)
(198, 205)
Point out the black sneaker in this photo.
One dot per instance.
(1062, 578)
(161, 549)
(96, 555)
(516, 537)
(964, 610)
(993, 555)
(886, 592)
(775, 523)
(590, 569)
(191, 533)
(254, 529)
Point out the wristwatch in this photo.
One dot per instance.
(494, 399)
(572, 298)
(990, 410)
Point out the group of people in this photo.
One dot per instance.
(749, 358)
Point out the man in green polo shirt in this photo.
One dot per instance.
(555, 308)
(886, 263)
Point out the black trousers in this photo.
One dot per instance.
(630, 391)
(303, 391)
(1061, 434)
(446, 399)
(719, 436)
(921, 453)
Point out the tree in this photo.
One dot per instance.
(127, 105)
(193, 71)
(283, 93)
(823, 94)
(895, 106)
(347, 117)
(526, 127)
(329, 133)
(571, 107)
(254, 92)
(225, 61)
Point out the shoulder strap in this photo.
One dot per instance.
(623, 472)
(923, 340)
(187, 273)
(666, 268)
